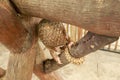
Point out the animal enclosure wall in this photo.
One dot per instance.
(76, 33)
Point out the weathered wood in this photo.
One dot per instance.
(12, 33)
(90, 43)
(97, 16)
(83, 16)
(43, 76)
(15, 35)
(20, 66)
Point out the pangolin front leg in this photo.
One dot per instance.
(55, 56)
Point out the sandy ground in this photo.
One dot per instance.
(99, 65)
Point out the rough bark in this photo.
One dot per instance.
(98, 16)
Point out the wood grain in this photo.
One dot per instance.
(98, 16)
(12, 33)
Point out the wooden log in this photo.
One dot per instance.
(12, 33)
(98, 16)
(46, 76)
(90, 43)
(18, 40)
(20, 66)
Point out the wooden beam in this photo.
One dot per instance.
(92, 15)
(46, 76)
(12, 32)
(20, 66)
(90, 43)
(18, 39)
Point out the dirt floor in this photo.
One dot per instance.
(99, 65)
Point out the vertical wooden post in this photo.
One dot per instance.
(19, 41)
(12, 33)
(20, 66)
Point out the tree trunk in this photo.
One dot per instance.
(97, 16)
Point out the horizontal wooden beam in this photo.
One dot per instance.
(90, 43)
(98, 16)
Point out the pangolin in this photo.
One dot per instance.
(54, 37)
